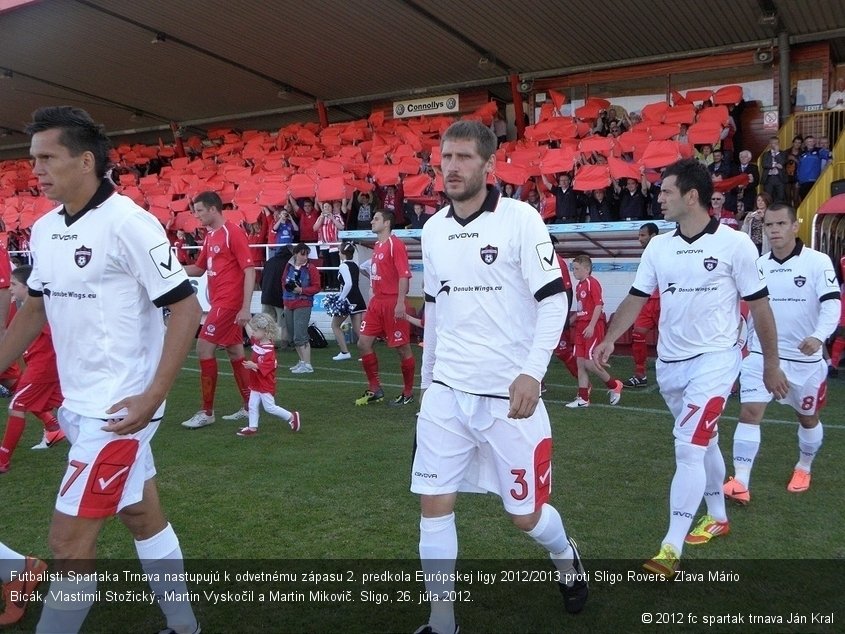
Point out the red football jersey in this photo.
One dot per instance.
(40, 359)
(587, 297)
(389, 264)
(263, 379)
(225, 254)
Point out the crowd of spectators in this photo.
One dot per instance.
(597, 164)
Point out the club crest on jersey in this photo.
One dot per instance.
(82, 256)
(710, 263)
(489, 254)
(799, 280)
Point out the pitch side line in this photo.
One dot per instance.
(640, 410)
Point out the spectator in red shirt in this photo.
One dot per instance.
(307, 216)
(390, 274)
(226, 256)
(255, 236)
(718, 211)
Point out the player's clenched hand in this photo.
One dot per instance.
(602, 352)
(139, 412)
(810, 346)
(775, 381)
(399, 311)
(524, 395)
(250, 365)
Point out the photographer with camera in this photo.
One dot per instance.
(301, 282)
(284, 226)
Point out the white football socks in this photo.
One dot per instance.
(686, 491)
(438, 552)
(66, 606)
(551, 535)
(11, 561)
(161, 558)
(746, 445)
(714, 469)
(809, 443)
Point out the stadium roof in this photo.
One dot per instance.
(136, 66)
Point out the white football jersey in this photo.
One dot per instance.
(486, 276)
(700, 280)
(99, 278)
(797, 287)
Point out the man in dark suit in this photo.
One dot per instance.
(569, 204)
(774, 167)
(747, 194)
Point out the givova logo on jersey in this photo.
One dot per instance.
(82, 256)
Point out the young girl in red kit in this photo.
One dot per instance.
(263, 331)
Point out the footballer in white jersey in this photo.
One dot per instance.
(701, 271)
(495, 307)
(805, 300)
(700, 281)
(490, 272)
(103, 272)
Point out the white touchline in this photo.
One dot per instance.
(642, 410)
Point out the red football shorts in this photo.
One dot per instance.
(221, 328)
(36, 397)
(583, 346)
(379, 322)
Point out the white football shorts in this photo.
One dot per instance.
(807, 384)
(105, 472)
(696, 390)
(467, 443)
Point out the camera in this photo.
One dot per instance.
(290, 286)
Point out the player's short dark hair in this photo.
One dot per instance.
(209, 199)
(79, 133)
(388, 216)
(22, 273)
(467, 130)
(691, 175)
(651, 228)
(790, 210)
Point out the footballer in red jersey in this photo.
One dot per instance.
(390, 274)
(226, 258)
(37, 390)
(646, 321)
(590, 326)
